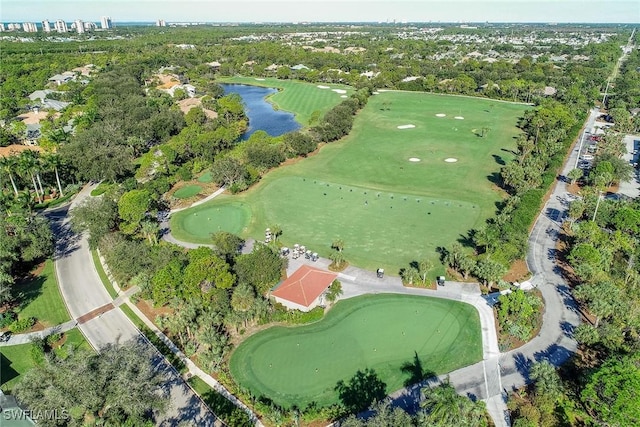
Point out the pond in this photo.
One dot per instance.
(261, 114)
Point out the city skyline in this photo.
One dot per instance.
(578, 11)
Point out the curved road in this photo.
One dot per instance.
(90, 304)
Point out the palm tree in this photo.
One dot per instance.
(337, 258)
(443, 406)
(338, 245)
(52, 161)
(150, 230)
(424, 266)
(24, 202)
(539, 124)
(27, 163)
(8, 164)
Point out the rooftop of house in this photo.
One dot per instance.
(305, 285)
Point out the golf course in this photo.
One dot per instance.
(416, 172)
(301, 365)
(305, 100)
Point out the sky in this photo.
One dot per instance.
(588, 11)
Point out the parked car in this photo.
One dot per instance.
(4, 336)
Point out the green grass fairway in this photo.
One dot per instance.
(299, 365)
(41, 298)
(187, 191)
(410, 208)
(303, 99)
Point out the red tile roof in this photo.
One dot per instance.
(304, 285)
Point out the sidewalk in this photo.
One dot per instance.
(26, 338)
(123, 298)
(199, 202)
(193, 369)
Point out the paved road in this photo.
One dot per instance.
(83, 292)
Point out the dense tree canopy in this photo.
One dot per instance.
(118, 386)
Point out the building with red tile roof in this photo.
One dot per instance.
(304, 289)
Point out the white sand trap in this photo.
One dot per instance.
(414, 159)
(375, 93)
(339, 90)
(406, 126)
(259, 79)
(343, 96)
(441, 115)
(322, 87)
(451, 160)
(459, 118)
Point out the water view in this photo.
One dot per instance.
(261, 114)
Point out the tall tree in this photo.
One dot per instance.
(52, 161)
(443, 406)
(98, 216)
(612, 392)
(118, 386)
(8, 166)
(27, 164)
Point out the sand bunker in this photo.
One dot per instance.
(414, 159)
(339, 90)
(343, 96)
(406, 126)
(441, 115)
(459, 118)
(451, 160)
(259, 79)
(375, 93)
(322, 87)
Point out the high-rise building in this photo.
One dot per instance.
(61, 26)
(46, 26)
(2, 27)
(78, 25)
(14, 26)
(161, 23)
(90, 26)
(105, 23)
(29, 27)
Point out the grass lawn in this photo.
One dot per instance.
(101, 189)
(154, 339)
(220, 405)
(16, 360)
(305, 100)
(300, 365)
(187, 191)
(388, 210)
(40, 298)
(103, 275)
(206, 178)
(199, 222)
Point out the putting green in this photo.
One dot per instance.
(378, 230)
(187, 191)
(206, 177)
(232, 217)
(300, 365)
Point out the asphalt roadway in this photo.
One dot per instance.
(84, 293)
